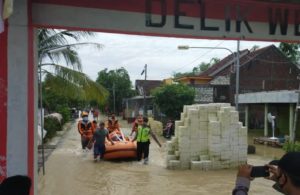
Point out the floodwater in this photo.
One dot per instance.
(69, 171)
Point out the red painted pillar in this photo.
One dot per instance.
(3, 102)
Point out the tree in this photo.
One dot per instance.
(291, 51)
(69, 79)
(203, 66)
(171, 99)
(117, 81)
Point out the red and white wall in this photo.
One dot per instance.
(18, 86)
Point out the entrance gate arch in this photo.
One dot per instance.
(227, 19)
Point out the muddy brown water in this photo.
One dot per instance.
(69, 171)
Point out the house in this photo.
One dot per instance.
(146, 86)
(262, 71)
(135, 105)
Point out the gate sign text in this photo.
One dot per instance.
(220, 19)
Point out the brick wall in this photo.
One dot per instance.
(269, 71)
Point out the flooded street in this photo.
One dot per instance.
(69, 171)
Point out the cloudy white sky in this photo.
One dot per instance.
(160, 54)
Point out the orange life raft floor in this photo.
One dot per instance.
(120, 150)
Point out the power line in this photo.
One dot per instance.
(198, 57)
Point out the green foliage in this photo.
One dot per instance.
(183, 74)
(291, 147)
(291, 51)
(198, 69)
(118, 80)
(51, 124)
(65, 112)
(171, 99)
(67, 81)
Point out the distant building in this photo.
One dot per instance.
(135, 105)
(169, 81)
(146, 86)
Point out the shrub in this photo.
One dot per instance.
(65, 112)
(171, 98)
(291, 147)
(51, 125)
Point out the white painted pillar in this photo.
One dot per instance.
(21, 154)
(291, 121)
(266, 121)
(247, 115)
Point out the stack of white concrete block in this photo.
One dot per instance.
(208, 136)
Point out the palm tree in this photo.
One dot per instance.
(67, 79)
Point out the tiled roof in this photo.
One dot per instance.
(224, 67)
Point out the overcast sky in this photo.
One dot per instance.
(159, 53)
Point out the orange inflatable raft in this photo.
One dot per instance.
(122, 148)
(119, 150)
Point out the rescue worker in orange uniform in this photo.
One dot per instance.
(113, 124)
(86, 130)
(114, 129)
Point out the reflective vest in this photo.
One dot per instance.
(143, 134)
(114, 126)
(86, 129)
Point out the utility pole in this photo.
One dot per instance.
(114, 94)
(237, 72)
(144, 91)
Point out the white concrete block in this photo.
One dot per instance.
(187, 122)
(216, 165)
(173, 164)
(185, 164)
(183, 132)
(196, 165)
(195, 157)
(212, 117)
(243, 131)
(243, 140)
(174, 140)
(171, 152)
(213, 108)
(226, 155)
(214, 140)
(204, 157)
(206, 165)
(234, 116)
(171, 157)
(226, 109)
(169, 146)
(203, 134)
(193, 113)
(179, 123)
(203, 126)
(203, 114)
(214, 128)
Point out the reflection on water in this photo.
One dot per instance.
(69, 171)
(265, 151)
